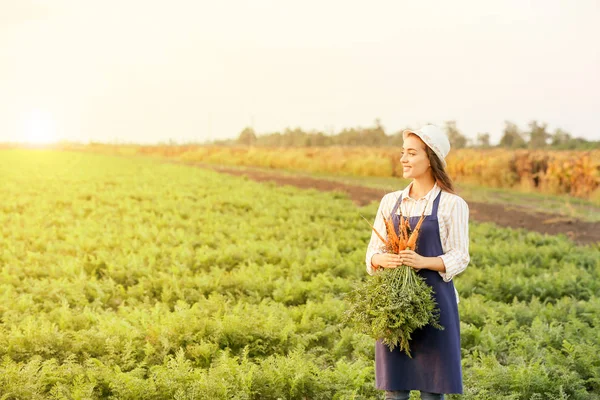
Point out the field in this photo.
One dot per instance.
(127, 278)
(573, 173)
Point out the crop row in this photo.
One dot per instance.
(126, 278)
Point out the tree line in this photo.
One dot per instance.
(536, 136)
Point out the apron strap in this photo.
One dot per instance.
(436, 203)
(434, 209)
(396, 206)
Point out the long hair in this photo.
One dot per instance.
(439, 173)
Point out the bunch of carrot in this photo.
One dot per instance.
(405, 239)
(394, 302)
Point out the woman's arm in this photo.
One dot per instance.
(412, 259)
(456, 258)
(375, 244)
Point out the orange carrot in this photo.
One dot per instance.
(403, 229)
(391, 234)
(412, 241)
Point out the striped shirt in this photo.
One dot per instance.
(453, 220)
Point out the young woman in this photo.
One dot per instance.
(442, 252)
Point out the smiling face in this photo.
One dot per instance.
(415, 162)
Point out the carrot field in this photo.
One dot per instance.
(129, 278)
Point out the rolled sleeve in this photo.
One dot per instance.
(456, 258)
(376, 246)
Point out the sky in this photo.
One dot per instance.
(194, 71)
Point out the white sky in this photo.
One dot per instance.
(147, 71)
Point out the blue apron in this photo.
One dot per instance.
(435, 366)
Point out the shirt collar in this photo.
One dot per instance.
(433, 192)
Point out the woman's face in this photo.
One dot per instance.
(414, 158)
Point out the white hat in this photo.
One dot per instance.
(433, 137)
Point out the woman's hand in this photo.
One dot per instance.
(386, 260)
(412, 259)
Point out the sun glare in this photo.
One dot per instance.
(39, 128)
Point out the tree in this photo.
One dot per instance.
(560, 138)
(247, 137)
(271, 140)
(318, 139)
(349, 137)
(538, 137)
(374, 136)
(396, 139)
(483, 140)
(512, 137)
(457, 139)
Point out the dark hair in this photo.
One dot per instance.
(439, 173)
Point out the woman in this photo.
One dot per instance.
(442, 252)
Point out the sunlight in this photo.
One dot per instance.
(40, 127)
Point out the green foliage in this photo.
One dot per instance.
(538, 137)
(391, 305)
(247, 137)
(457, 139)
(131, 279)
(512, 137)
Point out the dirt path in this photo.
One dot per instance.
(580, 231)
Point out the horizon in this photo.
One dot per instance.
(172, 141)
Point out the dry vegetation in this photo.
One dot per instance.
(576, 173)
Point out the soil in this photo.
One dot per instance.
(582, 232)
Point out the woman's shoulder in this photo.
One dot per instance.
(392, 196)
(453, 199)
(389, 199)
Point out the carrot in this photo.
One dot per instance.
(412, 241)
(403, 228)
(374, 230)
(391, 234)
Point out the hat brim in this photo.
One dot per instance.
(407, 132)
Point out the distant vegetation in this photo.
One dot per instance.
(576, 173)
(529, 160)
(536, 136)
(573, 172)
